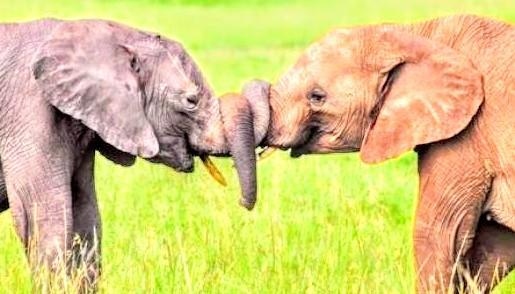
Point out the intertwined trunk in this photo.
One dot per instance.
(238, 124)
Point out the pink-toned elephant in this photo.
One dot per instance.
(445, 88)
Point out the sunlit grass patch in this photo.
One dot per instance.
(323, 224)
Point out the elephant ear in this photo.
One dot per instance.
(85, 71)
(431, 93)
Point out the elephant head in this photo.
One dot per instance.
(376, 89)
(144, 96)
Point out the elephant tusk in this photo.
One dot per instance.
(266, 152)
(213, 170)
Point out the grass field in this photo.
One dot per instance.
(323, 224)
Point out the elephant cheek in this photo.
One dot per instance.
(286, 122)
(208, 137)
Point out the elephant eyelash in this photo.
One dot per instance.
(316, 96)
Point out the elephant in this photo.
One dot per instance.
(70, 88)
(444, 88)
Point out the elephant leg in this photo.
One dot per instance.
(452, 193)
(86, 219)
(42, 216)
(37, 173)
(492, 256)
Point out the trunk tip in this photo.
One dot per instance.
(248, 204)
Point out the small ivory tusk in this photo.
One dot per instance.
(266, 152)
(213, 170)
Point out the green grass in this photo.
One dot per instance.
(323, 224)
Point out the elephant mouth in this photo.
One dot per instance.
(175, 152)
(305, 146)
(314, 143)
(184, 166)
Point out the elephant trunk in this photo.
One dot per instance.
(239, 131)
(256, 92)
(246, 119)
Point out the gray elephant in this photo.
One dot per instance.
(68, 88)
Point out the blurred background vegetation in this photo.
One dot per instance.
(323, 224)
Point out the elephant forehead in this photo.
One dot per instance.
(346, 41)
(322, 57)
(319, 52)
(293, 79)
(346, 85)
(171, 72)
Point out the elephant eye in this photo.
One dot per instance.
(135, 64)
(316, 96)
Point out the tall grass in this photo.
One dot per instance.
(323, 224)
